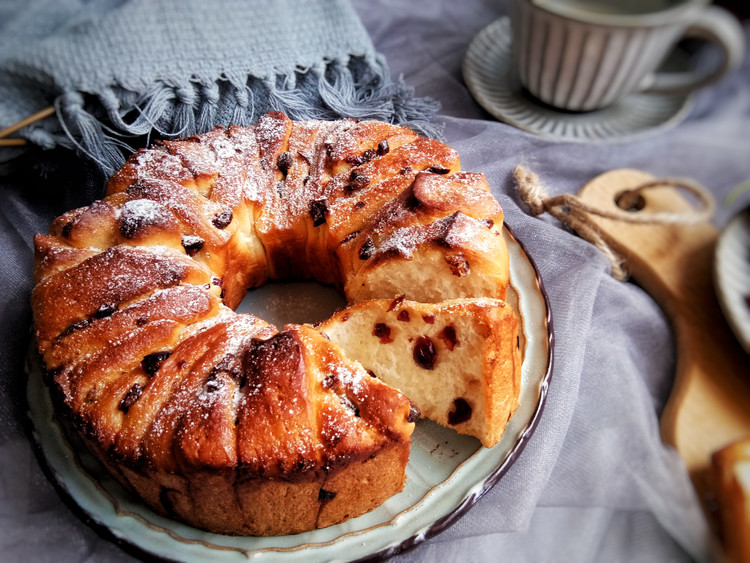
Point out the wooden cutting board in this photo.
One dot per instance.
(709, 406)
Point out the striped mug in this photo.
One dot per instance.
(582, 55)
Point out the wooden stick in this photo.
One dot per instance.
(46, 112)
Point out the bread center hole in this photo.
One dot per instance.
(280, 303)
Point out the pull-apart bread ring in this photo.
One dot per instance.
(219, 419)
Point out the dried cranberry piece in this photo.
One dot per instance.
(367, 249)
(324, 495)
(222, 219)
(350, 237)
(285, 162)
(425, 354)
(66, 229)
(429, 319)
(355, 159)
(213, 385)
(383, 147)
(360, 159)
(318, 211)
(403, 316)
(357, 181)
(448, 336)
(382, 331)
(396, 303)
(461, 412)
(129, 225)
(438, 169)
(192, 244)
(130, 397)
(349, 405)
(458, 264)
(106, 310)
(153, 362)
(414, 413)
(330, 381)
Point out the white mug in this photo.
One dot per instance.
(582, 55)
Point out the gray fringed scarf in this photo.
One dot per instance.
(114, 70)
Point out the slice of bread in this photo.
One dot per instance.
(459, 361)
(731, 483)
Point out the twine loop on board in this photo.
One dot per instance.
(573, 212)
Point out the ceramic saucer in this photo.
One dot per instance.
(490, 76)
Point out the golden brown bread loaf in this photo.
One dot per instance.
(219, 419)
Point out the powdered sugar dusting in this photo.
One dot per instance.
(138, 213)
(157, 163)
(350, 376)
(454, 231)
(403, 241)
(224, 149)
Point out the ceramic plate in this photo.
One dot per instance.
(490, 76)
(732, 275)
(447, 473)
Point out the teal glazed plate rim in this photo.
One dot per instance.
(447, 473)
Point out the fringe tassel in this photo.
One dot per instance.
(209, 98)
(360, 87)
(367, 92)
(88, 134)
(183, 122)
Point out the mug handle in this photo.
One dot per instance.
(718, 26)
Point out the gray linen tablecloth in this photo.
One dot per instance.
(594, 483)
